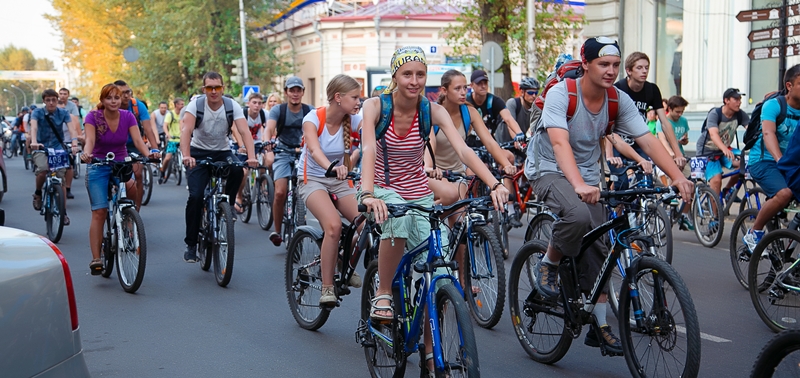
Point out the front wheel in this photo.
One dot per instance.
(304, 281)
(773, 276)
(264, 197)
(224, 246)
(779, 357)
(382, 343)
(247, 205)
(7, 150)
(740, 253)
(459, 350)
(541, 227)
(709, 223)
(54, 213)
(485, 277)
(77, 169)
(132, 254)
(664, 339)
(147, 180)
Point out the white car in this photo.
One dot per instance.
(39, 333)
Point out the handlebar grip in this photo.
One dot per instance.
(362, 208)
(329, 172)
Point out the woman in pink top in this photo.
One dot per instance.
(107, 129)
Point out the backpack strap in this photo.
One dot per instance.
(263, 117)
(306, 109)
(228, 104)
(613, 108)
(489, 101)
(465, 118)
(281, 118)
(518, 102)
(321, 125)
(782, 115)
(199, 112)
(572, 94)
(135, 107)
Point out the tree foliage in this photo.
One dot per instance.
(14, 58)
(505, 22)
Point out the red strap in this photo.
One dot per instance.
(613, 108)
(572, 92)
(321, 119)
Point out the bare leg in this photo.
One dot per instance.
(96, 231)
(388, 260)
(281, 191)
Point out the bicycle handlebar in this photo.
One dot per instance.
(397, 210)
(612, 194)
(130, 159)
(350, 175)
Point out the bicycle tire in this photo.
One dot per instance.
(303, 278)
(520, 287)
(751, 203)
(382, 361)
(662, 325)
(710, 228)
(76, 171)
(223, 249)
(772, 301)
(247, 209)
(459, 350)
(264, 201)
(7, 151)
(132, 259)
(489, 276)
(739, 252)
(299, 211)
(540, 227)
(655, 221)
(27, 160)
(177, 166)
(167, 173)
(772, 358)
(499, 221)
(107, 257)
(147, 181)
(54, 213)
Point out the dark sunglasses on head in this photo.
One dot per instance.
(532, 93)
(211, 88)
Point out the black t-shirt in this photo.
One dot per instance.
(648, 97)
(491, 116)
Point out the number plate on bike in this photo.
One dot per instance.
(57, 159)
(698, 165)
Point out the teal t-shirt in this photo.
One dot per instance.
(770, 112)
(680, 127)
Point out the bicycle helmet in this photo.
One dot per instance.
(529, 83)
(25, 109)
(33, 107)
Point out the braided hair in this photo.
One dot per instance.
(342, 84)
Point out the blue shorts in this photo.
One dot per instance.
(768, 177)
(282, 166)
(714, 167)
(97, 177)
(172, 147)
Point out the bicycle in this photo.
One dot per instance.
(124, 242)
(149, 170)
(499, 219)
(53, 201)
(174, 168)
(416, 286)
(250, 191)
(652, 288)
(294, 213)
(779, 356)
(7, 136)
(303, 275)
(483, 266)
(739, 251)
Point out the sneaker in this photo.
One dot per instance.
(686, 223)
(37, 202)
(355, 280)
(547, 281)
(70, 195)
(161, 179)
(190, 256)
(328, 296)
(611, 343)
(513, 220)
(275, 239)
(752, 238)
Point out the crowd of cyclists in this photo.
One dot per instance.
(405, 149)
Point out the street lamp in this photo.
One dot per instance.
(33, 91)
(24, 97)
(16, 103)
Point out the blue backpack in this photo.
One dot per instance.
(466, 120)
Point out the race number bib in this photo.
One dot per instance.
(698, 165)
(57, 159)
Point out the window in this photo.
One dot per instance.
(670, 47)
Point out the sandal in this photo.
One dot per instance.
(96, 267)
(237, 207)
(66, 220)
(375, 308)
(37, 202)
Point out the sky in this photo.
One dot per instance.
(24, 25)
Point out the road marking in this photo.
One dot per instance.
(706, 336)
(700, 245)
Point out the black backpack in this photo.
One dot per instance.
(753, 132)
(261, 114)
(201, 109)
(718, 110)
(282, 115)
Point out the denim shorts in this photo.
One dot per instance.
(282, 166)
(172, 147)
(768, 177)
(97, 177)
(714, 167)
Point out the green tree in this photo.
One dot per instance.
(505, 22)
(14, 58)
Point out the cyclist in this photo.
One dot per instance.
(172, 130)
(327, 140)
(210, 140)
(520, 107)
(146, 128)
(273, 99)
(770, 149)
(19, 132)
(286, 124)
(563, 161)
(393, 170)
(107, 129)
(717, 135)
(157, 117)
(676, 105)
(256, 122)
(47, 131)
(65, 103)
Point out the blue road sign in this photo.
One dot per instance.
(248, 89)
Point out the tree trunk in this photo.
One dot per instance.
(487, 12)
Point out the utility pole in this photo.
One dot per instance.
(24, 97)
(784, 44)
(33, 91)
(531, 58)
(244, 42)
(16, 103)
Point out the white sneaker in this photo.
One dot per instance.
(751, 239)
(355, 280)
(328, 296)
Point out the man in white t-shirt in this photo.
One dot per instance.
(208, 139)
(158, 116)
(75, 114)
(256, 122)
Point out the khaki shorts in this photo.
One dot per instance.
(40, 161)
(340, 188)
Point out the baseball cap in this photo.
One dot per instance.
(732, 92)
(294, 81)
(598, 47)
(478, 76)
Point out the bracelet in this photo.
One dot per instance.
(365, 196)
(496, 185)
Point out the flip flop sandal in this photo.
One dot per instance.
(96, 267)
(375, 308)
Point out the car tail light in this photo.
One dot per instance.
(73, 307)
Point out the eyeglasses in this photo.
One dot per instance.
(127, 92)
(532, 93)
(50, 99)
(212, 88)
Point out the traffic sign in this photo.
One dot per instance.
(491, 56)
(767, 14)
(773, 33)
(248, 89)
(773, 52)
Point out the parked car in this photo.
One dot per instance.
(39, 333)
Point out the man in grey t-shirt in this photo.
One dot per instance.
(563, 167)
(158, 116)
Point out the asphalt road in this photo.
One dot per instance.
(181, 324)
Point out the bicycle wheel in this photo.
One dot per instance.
(540, 227)
(76, 171)
(755, 198)
(779, 357)
(539, 324)
(248, 206)
(177, 167)
(772, 274)
(500, 227)
(379, 341)
(299, 211)
(132, 256)
(304, 281)
(107, 256)
(266, 189)
(667, 342)
(740, 254)
(8, 152)
(54, 213)
(27, 159)
(457, 337)
(224, 247)
(657, 225)
(147, 180)
(708, 224)
(485, 277)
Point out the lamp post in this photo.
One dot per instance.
(16, 103)
(24, 97)
(33, 91)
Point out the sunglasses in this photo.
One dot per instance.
(213, 88)
(532, 93)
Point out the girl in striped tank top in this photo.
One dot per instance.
(407, 181)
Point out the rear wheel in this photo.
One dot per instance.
(658, 226)
(381, 352)
(132, 255)
(77, 168)
(459, 349)
(539, 324)
(247, 206)
(772, 275)
(304, 281)
(708, 222)
(7, 150)
(54, 213)
(740, 254)
(224, 247)
(540, 228)
(147, 180)
(177, 166)
(485, 277)
(107, 256)
(754, 199)
(779, 357)
(264, 198)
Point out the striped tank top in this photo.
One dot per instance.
(406, 165)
